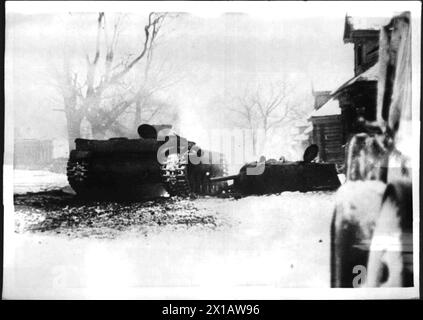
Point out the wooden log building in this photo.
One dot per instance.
(327, 128)
(337, 114)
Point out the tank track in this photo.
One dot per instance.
(77, 173)
(175, 177)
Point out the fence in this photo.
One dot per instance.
(31, 153)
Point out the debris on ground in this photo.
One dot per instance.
(58, 211)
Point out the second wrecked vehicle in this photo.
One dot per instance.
(275, 176)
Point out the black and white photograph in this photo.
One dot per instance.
(211, 150)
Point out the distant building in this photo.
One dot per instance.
(32, 153)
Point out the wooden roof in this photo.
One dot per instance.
(371, 74)
(330, 108)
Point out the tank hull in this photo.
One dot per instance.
(129, 168)
(294, 176)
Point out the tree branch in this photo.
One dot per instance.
(152, 22)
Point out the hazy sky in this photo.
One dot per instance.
(213, 56)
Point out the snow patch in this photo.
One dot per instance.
(37, 180)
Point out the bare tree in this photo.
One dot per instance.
(153, 80)
(265, 108)
(92, 95)
(246, 117)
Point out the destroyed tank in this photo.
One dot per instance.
(275, 176)
(130, 168)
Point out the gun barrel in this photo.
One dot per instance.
(219, 179)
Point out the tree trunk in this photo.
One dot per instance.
(95, 116)
(254, 140)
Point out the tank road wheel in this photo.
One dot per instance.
(206, 185)
(212, 189)
(219, 170)
(215, 189)
(77, 173)
(175, 176)
(209, 188)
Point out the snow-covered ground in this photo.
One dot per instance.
(37, 180)
(274, 241)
